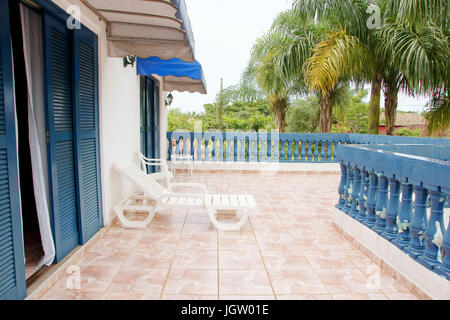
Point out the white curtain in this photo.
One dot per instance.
(32, 47)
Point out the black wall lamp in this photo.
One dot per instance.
(129, 60)
(169, 99)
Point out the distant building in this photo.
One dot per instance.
(411, 120)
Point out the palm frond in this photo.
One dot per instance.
(438, 112)
(337, 56)
(421, 52)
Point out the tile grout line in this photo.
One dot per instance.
(309, 263)
(123, 263)
(218, 266)
(262, 259)
(173, 258)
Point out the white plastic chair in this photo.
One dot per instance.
(152, 190)
(163, 174)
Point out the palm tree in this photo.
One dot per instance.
(405, 53)
(416, 34)
(284, 47)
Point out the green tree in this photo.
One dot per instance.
(303, 116)
(407, 51)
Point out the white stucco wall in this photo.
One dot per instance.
(119, 102)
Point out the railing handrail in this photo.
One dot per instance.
(376, 189)
(415, 168)
(253, 146)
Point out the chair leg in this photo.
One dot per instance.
(228, 226)
(127, 223)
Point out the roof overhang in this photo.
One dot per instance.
(146, 28)
(151, 28)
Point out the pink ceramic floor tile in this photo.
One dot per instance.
(151, 258)
(347, 281)
(232, 242)
(289, 259)
(296, 282)
(240, 260)
(79, 278)
(200, 242)
(244, 282)
(247, 297)
(135, 280)
(191, 282)
(195, 259)
(305, 297)
(190, 297)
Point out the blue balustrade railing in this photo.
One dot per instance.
(378, 184)
(275, 147)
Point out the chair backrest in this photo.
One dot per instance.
(147, 184)
(141, 161)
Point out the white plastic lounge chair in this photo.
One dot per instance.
(163, 174)
(164, 198)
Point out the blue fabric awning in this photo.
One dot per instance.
(178, 74)
(173, 67)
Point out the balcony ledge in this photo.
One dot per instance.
(424, 282)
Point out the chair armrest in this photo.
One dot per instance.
(200, 186)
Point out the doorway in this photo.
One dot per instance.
(33, 248)
(149, 120)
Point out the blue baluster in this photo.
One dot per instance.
(296, 151)
(249, 150)
(349, 190)
(262, 148)
(371, 216)
(418, 223)
(214, 147)
(390, 233)
(316, 151)
(303, 151)
(444, 268)
(329, 147)
(309, 151)
(404, 217)
(276, 148)
(363, 196)
(235, 149)
(380, 208)
(206, 149)
(242, 148)
(170, 145)
(282, 151)
(177, 146)
(434, 231)
(322, 151)
(356, 190)
(269, 148)
(222, 148)
(199, 147)
(289, 151)
(229, 144)
(192, 139)
(342, 187)
(184, 151)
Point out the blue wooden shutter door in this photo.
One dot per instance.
(87, 132)
(142, 118)
(61, 154)
(12, 265)
(156, 149)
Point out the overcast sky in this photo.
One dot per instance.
(224, 32)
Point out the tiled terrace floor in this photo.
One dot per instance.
(287, 250)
